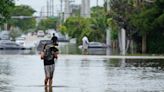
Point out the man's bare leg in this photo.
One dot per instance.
(45, 81)
(50, 82)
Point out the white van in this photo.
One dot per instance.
(40, 33)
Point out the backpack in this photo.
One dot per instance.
(48, 54)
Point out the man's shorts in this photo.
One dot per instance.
(49, 70)
(85, 47)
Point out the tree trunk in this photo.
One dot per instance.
(144, 43)
(131, 47)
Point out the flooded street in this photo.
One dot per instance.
(98, 45)
(78, 73)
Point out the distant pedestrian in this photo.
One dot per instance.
(85, 44)
(54, 39)
(49, 55)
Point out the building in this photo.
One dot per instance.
(67, 9)
(85, 8)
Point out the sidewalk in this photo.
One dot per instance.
(112, 56)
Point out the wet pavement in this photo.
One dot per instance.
(79, 73)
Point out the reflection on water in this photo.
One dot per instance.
(97, 51)
(48, 89)
(17, 52)
(81, 74)
(135, 75)
(5, 74)
(158, 63)
(68, 48)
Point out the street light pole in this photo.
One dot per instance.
(108, 33)
(61, 11)
(107, 5)
(97, 2)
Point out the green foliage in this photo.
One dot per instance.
(149, 19)
(75, 25)
(6, 6)
(156, 42)
(24, 23)
(63, 29)
(98, 18)
(49, 23)
(142, 18)
(121, 13)
(94, 28)
(159, 22)
(23, 10)
(114, 27)
(144, 22)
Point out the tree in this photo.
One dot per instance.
(6, 7)
(23, 23)
(99, 22)
(114, 28)
(49, 23)
(94, 27)
(140, 19)
(156, 42)
(120, 14)
(77, 27)
(149, 20)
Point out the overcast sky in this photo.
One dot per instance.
(38, 4)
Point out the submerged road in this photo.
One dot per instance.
(114, 56)
(79, 73)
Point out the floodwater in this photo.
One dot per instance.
(78, 73)
(68, 48)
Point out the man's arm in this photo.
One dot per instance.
(56, 55)
(56, 52)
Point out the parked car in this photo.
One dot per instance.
(96, 48)
(20, 41)
(95, 45)
(40, 33)
(4, 35)
(61, 38)
(10, 45)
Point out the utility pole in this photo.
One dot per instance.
(61, 12)
(97, 2)
(52, 7)
(108, 6)
(108, 33)
(123, 41)
(67, 9)
(47, 8)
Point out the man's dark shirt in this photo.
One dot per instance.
(50, 62)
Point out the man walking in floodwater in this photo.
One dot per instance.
(49, 56)
(85, 44)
